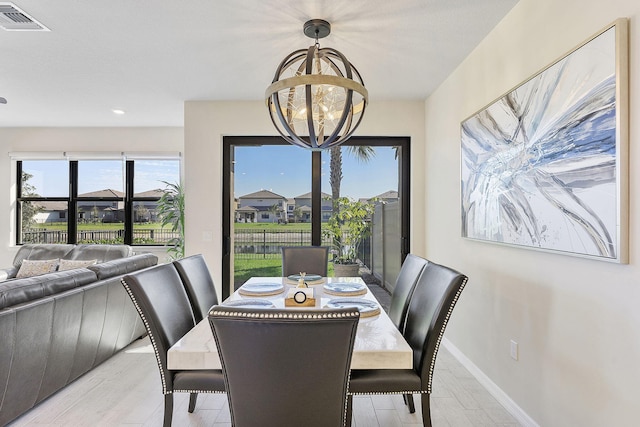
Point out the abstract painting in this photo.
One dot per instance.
(541, 166)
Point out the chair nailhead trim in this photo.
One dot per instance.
(375, 393)
(292, 315)
(441, 334)
(196, 391)
(151, 337)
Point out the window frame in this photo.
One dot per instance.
(72, 199)
(230, 142)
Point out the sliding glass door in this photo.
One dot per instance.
(277, 195)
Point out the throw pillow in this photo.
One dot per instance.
(36, 267)
(70, 264)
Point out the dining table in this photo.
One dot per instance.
(378, 343)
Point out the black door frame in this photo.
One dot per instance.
(404, 175)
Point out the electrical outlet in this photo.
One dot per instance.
(514, 350)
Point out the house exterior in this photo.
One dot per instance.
(303, 203)
(386, 197)
(50, 212)
(261, 206)
(147, 210)
(100, 206)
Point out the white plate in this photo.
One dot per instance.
(308, 277)
(249, 303)
(345, 288)
(365, 307)
(261, 289)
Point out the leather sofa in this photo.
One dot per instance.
(100, 253)
(58, 326)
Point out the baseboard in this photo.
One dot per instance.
(502, 397)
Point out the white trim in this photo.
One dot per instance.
(153, 155)
(37, 155)
(512, 407)
(95, 155)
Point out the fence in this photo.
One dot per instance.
(140, 236)
(249, 244)
(254, 244)
(385, 244)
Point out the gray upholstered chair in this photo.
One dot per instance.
(410, 271)
(284, 367)
(159, 296)
(405, 283)
(307, 259)
(430, 306)
(198, 283)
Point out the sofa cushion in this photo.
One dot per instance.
(41, 251)
(101, 253)
(30, 268)
(18, 291)
(120, 266)
(70, 264)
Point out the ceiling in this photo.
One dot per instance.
(147, 57)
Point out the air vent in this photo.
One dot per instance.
(14, 19)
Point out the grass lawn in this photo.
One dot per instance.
(260, 267)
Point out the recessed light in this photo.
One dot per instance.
(118, 112)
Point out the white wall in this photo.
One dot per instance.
(577, 321)
(70, 139)
(206, 122)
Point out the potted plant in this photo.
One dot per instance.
(171, 212)
(347, 227)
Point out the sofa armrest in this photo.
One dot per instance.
(8, 273)
(121, 266)
(19, 291)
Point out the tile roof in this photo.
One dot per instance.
(262, 194)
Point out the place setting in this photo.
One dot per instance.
(309, 279)
(249, 303)
(263, 289)
(345, 289)
(367, 308)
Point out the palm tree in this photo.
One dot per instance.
(171, 212)
(361, 152)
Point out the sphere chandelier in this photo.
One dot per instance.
(317, 98)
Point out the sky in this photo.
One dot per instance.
(51, 177)
(283, 169)
(286, 170)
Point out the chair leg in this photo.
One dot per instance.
(408, 400)
(193, 397)
(168, 409)
(426, 409)
(349, 414)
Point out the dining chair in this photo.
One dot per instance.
(405, 283)
(307, 259)
(285, 368)
(158, 295)
(410, 271)
(430, 307)
(198, 283)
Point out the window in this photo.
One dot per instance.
(299, 177)
(115, 200)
